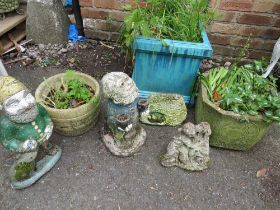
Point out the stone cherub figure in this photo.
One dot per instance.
(24, 126)
(189, 150)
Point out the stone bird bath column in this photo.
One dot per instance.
(122, 134)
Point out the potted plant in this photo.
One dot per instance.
(239, 104)
(72, 100)
(169, 42)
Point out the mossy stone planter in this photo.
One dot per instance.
(229, 130)
(74, 121)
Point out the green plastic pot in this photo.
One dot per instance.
(229, 130)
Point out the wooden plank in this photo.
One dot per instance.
(19, 33)
(10, 22)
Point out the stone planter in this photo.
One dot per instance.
(229, 130)
(74, 121)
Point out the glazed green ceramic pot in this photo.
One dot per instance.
(229, 130)
(72, 121)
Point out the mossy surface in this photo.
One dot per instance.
(229, 131)
(23, 170)
(165, 109)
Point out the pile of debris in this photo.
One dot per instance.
(43, 55)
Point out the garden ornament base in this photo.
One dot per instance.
(229, 130)
(189, 150)
(122, 134)
(163, 109)
(126, 148)
(42, 167)
(168, 66)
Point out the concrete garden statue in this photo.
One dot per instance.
(163, 109)
(24, 127)
(122, 134)
(189, 150)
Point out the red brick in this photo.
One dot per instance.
(108, 25)
(224, 28)
(255, 43)
(100, 35)
(111, 4)
(263, 7)
(277, 23)
(258, 54)
(255, 19)
(271, 33)
(276, 9)
(219, 39)
(251, 31)
(103, 14)
(115, 37)
(86, 3)
(225, 50)
(227, 16)
(239, 5)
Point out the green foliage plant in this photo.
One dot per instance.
(166, 19)
(243, 90)
(72, 92)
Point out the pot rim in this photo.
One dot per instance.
(56, 77)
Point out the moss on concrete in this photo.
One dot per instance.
(229, 130)
(23, 170)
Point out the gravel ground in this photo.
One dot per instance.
(89, 177)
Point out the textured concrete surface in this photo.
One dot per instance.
(89, 177)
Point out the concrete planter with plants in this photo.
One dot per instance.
(168, 41)
(171, 67)
(229, 130)
(239, 104)
(72, 121)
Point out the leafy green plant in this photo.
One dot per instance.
(71, 93)
(244, 91)
(166, 19)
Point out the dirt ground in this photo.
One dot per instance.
(89, 177)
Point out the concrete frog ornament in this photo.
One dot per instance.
(163, 109)
(189, 150)
(24, 128)
(122, 134)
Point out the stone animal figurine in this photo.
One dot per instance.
(24, 127)
(163, 109)
(189, 150)
(122, 134)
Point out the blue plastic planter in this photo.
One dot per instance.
(168, 66)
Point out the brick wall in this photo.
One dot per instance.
(259, 19)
